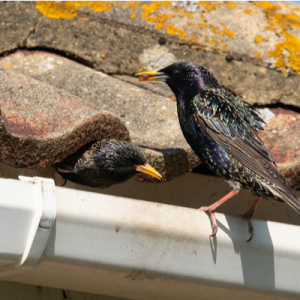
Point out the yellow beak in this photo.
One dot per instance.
(147, 169)
(154, 75)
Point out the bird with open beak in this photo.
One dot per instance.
(104, 163)
(223, 131)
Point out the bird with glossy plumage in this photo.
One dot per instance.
(223, 131)
(104, 163)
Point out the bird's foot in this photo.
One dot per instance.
(210, 210)
(211, 214)
(248, 215)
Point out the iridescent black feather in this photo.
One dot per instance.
(223, 131)
(102, 164)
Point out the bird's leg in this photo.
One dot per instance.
(210, 210)
(248, 216)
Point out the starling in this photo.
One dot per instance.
(223, 131)
(104, 163)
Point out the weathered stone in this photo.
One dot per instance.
(282, 136)
(41, 125)
(111, 38)
(266, 114)
(111, 48)
(17, 22)
(156, 57)
(151, 119)
(248, 29)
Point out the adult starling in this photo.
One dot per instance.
(223, 131)
(104, 163)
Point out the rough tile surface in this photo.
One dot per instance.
(41, 124)
(151, 119)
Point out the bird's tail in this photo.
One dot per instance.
(292, 199)
(285, 194)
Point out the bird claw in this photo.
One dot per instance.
(247, 217)
(250, 237)
(215, 230)
(211, 214)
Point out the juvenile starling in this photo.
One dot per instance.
(104, 163)
(223, 131)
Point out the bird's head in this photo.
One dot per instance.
(184, 78)
(121, 160)
(104, 163)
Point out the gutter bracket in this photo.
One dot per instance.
(41, 226)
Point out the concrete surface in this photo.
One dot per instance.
(110, 37)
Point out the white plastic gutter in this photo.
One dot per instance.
(90, 242)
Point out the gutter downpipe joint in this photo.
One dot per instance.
(39, 213)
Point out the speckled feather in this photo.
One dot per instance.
(102, 164)
(223, 131)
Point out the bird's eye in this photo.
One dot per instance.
(176, 72)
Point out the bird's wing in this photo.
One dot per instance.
(77, 160)
(237, 121)
(236, 132)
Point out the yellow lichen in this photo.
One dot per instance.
(214, 29)
(227, 31)
(162, 20)
(258, 54)
(266, 5)
(209, 5)
(99, 6)
(281, 23)
(200, 25)
(292, 44)
(133, 5)
(56, 10)
(193, 40)
(258, 39)
(248, 11)
(188, 15)
(151, 12)
(172, 30)
(68, 9)
(230, 4)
